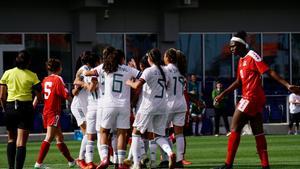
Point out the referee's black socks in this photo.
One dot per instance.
(20, 158)
(11, 154)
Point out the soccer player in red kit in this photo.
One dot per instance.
(55, 92)
(250, 107)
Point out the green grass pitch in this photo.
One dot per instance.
(204, 151)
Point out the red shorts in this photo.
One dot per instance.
(51, 120)
(251, 107)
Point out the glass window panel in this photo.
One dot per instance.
(6, 39)
(276, 55)
(296, 58)
(60, 48)
(104, 40)
(36, 44)
(137, 45)
(218, 63)
(191, 46)
(218, 57)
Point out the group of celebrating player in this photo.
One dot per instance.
(107, 93)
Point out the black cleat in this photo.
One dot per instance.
(225, 166)
(179, 164)
(163, 164)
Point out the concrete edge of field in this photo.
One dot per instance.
(272, 129)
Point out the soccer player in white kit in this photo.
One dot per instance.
(79, 104)
(151, 115)
(91, 85)
(176, 101)
(116, 104)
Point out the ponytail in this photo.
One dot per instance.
(155, 56)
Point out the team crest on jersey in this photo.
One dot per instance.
(244, 63)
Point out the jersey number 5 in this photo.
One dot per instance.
(47, 89)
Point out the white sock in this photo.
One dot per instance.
(98, 143)
(163, 143)
(130, 153)
(121, 156)
(82, 147)
(152, 148)
(180, 147)
(142, 146)
(114, 145)
(136, 149)
(103, 151)
(89, 154)
(194, 128)
(199, 127)
(164, 155)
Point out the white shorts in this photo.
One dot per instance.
(91, 118)
(79, 113)
(177, 119)
(155, 123)
(98, 121)
(115, 118)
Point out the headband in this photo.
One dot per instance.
(237, 39)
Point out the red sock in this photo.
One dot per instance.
(233, 144)
(65, 151)
(43, 151)
(261, 146)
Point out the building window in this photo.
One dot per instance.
(134, 45)
(60, 48)
(296, 58)
(276, 53)
(137, 45)
(9, 39)
(191, 46)
(37, 46)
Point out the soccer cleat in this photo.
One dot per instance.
(153, 164)
(122, 166)
(144, 161)
(90, 165)
(71, 164)
(135, 167)
(228, 134)
(179, 164)
(40, 166)
(81, 163)
(186, 162)
(103, 164)
(225, 166)
(163, 164)
(128, 162)
(266, 167)
(172, 161)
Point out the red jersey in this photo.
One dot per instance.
(250, 69)
(55, 92)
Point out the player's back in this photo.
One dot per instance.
(154, 91)
(116, 92)
(54, 92)
(175, 91)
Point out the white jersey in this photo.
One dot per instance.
(116, 92)
(94, 95)
(99, 70)
(80, 100)
(294, 108)
(175, 97)
(154, 91)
